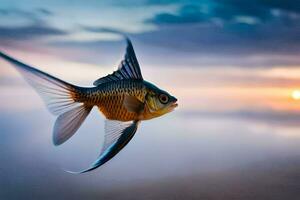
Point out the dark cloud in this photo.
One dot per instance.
(32, 31)
(248, 6)
(229, 27)
(34, 25)
(228, 11)
(186, 14)
(45, 11)
(167, 2)
(199, 33)
(225, 10)
(102, 30)
(36, 15)
(236, 39)
(199, 45)
(287, 5)
(31, 16)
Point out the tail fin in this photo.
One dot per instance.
(60, 97)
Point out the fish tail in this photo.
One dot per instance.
(62, 99)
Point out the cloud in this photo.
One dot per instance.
(36, 15)
(21, 24)
(238, 44)
(103, 30)
(228, 27)
(168, 2)
(226, 11)
(287, 5)
(186, 14)
(32, 31)
(195, 33)
(234, 39)
(45, 11)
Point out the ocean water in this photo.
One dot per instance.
(182, 155)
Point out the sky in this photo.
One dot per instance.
(227, 48)
(233, 65)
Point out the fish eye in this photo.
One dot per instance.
(163, 98)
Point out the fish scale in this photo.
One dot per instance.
(110, 97)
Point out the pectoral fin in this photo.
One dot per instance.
(117, 136)
(132, 104)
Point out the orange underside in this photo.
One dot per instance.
(112, 107)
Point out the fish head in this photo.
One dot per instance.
(158, 101)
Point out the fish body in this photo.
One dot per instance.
(110, 98)
(123, 97)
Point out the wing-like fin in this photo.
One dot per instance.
(117, 136)
(59, 97)
(129, 68)
(68, 123)
(56, 93)
(132, 104)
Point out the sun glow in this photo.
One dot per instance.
(296, 95)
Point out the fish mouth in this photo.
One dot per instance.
(173, 105)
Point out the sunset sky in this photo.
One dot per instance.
(233, 65)
(217, 54)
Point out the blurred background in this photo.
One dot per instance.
(232, 64)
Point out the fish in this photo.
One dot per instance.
(123, 97)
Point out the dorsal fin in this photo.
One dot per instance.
(129, 68)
